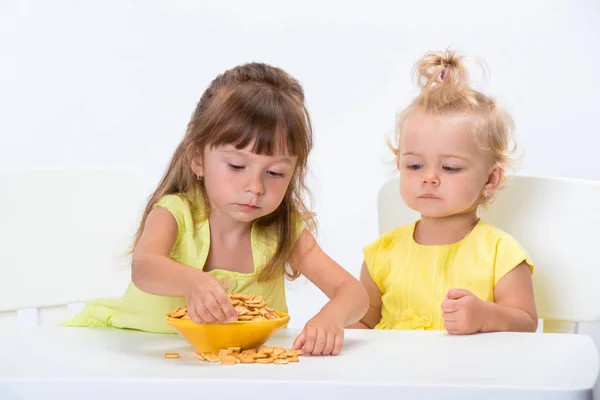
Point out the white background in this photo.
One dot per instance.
(113, 83)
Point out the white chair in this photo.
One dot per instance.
(557, 220)
(64, 239)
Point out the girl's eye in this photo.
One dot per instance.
(275, 174)
(452, 169)
(413, 166)
(236, 167)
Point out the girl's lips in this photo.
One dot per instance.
(248, 207)
(428, 196)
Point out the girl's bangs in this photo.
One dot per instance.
(272, 124)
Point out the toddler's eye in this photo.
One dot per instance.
(451, 169)
(236, 167)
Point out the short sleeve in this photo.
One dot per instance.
(509, 254)
(179, 208)
(376, 255)
(370, 254)
(299, 228)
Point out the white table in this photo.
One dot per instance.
(80, 363)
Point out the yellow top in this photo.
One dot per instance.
(414, 279)
(143, 311)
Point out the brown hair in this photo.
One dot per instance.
(445, 91)
(251, 103)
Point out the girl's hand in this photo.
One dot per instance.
(322, 335)
(207, 301)
(463, 312)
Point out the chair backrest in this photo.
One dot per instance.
(64, 237)
(557, 221)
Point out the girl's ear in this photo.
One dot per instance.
(493, 181)
(194, 156)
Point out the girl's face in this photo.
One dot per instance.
(242, 184)
(443, 171)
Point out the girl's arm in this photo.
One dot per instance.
(348, 302)
(513, 308)
(154, 272)
(152, 269)
(373, 315)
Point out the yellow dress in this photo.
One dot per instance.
(414, 279)
(143, 311)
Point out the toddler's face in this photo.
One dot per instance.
(245, 185)
(442, 169)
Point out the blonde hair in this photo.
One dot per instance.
(251, 103)
(445, 91)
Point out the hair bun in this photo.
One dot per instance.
(442, 68)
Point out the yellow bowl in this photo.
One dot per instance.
(210, 338)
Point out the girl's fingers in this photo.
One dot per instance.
(320, 342)
(299, 342)
(229, 312)
(204, 314)
(214, 308)
(329, 344)
(339, 342)
(193, 314)
(310, 336)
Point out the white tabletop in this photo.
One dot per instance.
(78, 363)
